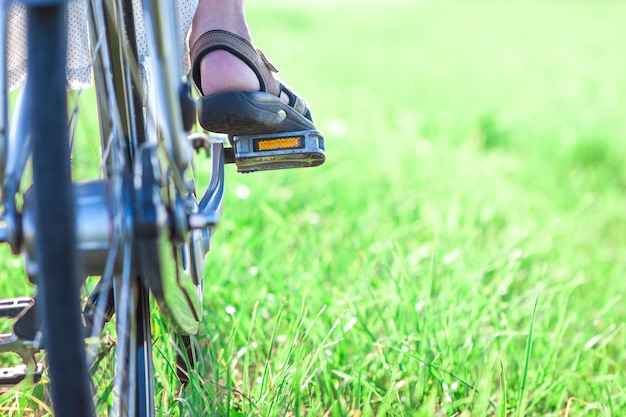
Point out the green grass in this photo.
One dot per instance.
(461, 252)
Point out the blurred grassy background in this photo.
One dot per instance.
(475, 165)
(517, 106)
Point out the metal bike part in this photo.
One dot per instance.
(149, 223)
(212, 202)
(133, 384)
(102, 210)
(171, 260)
(167, 72)
(4, 89)
(12, 307)
(95, 226)
(18, 144)
(120, 214)
(25, 348)
(9, 377)
(162, 257)
(10, 343)
(278, 150)
(114, 148)
(17, 152)
(199, 246)
(184, 258)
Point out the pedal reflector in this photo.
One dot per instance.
(278, 150)
(293, 142)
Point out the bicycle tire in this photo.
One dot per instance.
(58, 276)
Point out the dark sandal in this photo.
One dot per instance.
(247, 112)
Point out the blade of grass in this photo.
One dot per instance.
(266, 379)
(503, 399)
(529, 345)
(246, 359)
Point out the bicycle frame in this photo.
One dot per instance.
(165, 67)
(140, 220)
(192, 221)
(4, 110)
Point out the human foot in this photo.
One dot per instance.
(241, 94)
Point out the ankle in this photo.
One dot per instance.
(218, 14)
(199, 28)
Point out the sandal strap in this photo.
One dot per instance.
(294, 101)
(240, 47)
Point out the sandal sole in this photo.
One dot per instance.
(249, 112)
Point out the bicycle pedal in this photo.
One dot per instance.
(13, 307)
(200, 141)
(25, 349)
(278, 151)
(12, 376)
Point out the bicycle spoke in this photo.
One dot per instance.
(122, 385)
(105, 287)
(73, 120)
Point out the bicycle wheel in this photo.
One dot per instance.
(130, 228)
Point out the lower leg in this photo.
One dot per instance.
(220, 14)
(220, 71)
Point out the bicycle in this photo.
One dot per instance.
(139, 227)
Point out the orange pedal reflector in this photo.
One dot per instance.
(292, 142)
